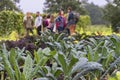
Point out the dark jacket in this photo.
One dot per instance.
(71, 18)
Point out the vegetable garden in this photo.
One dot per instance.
(58, 56)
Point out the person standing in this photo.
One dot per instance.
(60, 22)
(45, 22)
(38, 23)
(71, 23)
(28, 23)
(50, 23)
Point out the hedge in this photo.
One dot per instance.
(10, 21)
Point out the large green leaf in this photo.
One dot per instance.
(109, 60)
(90, 53)
(51, 53)
(72, 63)
(93, 41)
(6, 63)
(58, 72)
(28, 68)
(41, 59)
(36, 57)
(63, 63)
(59, 37)
(14, 64)
(41, 56)
(79, 65)
(90, 66)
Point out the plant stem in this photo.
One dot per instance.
(2, 75)
(105, 73)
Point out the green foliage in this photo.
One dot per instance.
(68, 56)
(10, 21)
(52, 6)
(28, 68)
(14, 64)
(62, 59)
(11, 61)
(76, 67)
(8, 5)
(111, 13)
(96, 14)
(7, 65)
(83, 22)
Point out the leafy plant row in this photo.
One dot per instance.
(63, 58)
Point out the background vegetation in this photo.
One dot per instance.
(92, 54)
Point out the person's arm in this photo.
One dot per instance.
(24, 22)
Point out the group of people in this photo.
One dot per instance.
(49, 22)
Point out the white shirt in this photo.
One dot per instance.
(38, 21)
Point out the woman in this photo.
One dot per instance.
(51, 23)
(60, 22)
(45, 22)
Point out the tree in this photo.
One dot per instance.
(96, 13)
(112, 14)
(52, 6)
(17, 1)
(8, 5)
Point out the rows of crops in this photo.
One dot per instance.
(93, 54)
(59, 57)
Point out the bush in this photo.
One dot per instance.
(10, 21)
(111, 14)
(83, 22)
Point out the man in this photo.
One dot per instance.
(38, 23)
(71, 21)
(28, 23)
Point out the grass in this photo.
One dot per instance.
(15, 36)
(97, 29)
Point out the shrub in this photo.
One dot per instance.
(10, 21)
(83, 22)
